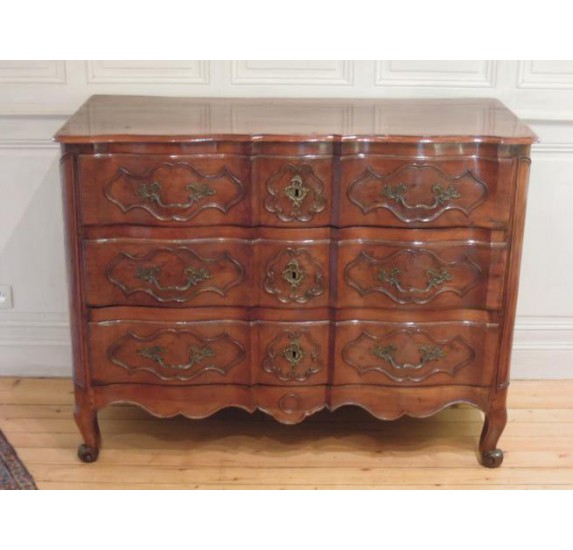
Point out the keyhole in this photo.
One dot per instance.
(296, 193)
(294, 275)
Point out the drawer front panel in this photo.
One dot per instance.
(426, 193)
(414, 275)
(293, 191)
(215, 352)
(168, 273)
(292, 353)
(162, 190)
(415, 354)
(224, 272)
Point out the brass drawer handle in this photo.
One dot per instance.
(151, 192)
(196, 355)
(152, 274)
(296, 191)
(441, 196)
(435, 278)
(427, 354)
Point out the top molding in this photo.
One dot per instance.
(106, 118)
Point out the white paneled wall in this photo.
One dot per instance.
(37, 96)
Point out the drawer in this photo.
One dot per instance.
(292, 353)
(293, 191)
(205, 352)
(422, 270)
(294, 273)
(408, 192)
(416, 353)
(164, 190)
(205, 272)
(210, 272)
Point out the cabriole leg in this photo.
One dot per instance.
(495, 420)
(86, 419)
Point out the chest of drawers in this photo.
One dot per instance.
(293, 255)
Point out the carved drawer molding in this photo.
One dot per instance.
(411, 276)
(189, 273)
(417, 192)
(292, 356)
(293, 275)
(295, 193)
(172, 354)
(407, 354)
(174, 191)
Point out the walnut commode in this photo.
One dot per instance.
(293, 255)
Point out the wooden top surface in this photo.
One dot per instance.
(107, 118)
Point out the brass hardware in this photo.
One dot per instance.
(303, 189)
(199, 191)
(293, 274)
(427, 354)
(303, 362)
(389, 277)
(151, 192)
(296, 191)
(395, 192)
(441, 195)
(444, 196)
(152, 274)
(293, 353)
(435, 278)
(196, 355)
(215, 354)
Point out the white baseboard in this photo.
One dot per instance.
(542, 348)
(35, 345)
(40, 346)
(44, 360)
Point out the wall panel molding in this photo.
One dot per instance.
(32, 72)
(151, 72)
(462, 74)
(550, 75)
(308, 73)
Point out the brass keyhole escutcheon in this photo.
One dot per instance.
(293, 274)
(296, 191)
(293, 353)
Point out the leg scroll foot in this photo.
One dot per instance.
(86, 419)
(492, 459)
(495, 420)
(87, 454)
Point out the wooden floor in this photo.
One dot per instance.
(235, 450)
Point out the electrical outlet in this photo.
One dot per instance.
(6, 297)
